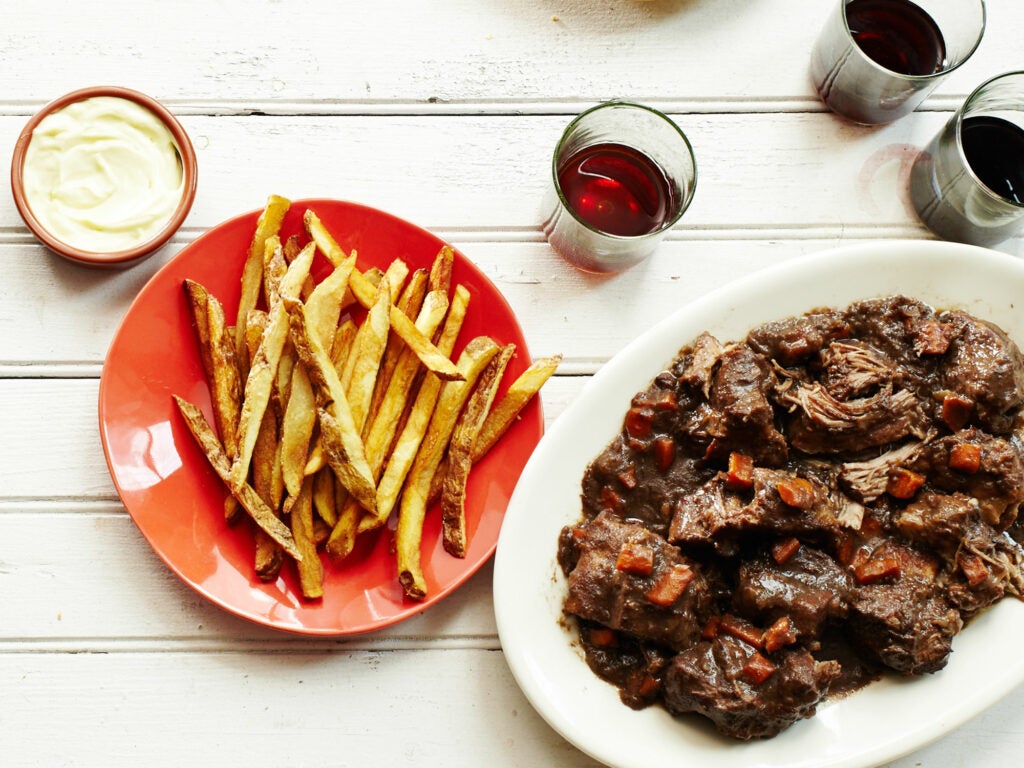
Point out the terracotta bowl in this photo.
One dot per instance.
(109, 259)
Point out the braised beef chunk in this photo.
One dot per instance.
(898, 614)
(896, 327)
(742, 416)
(785, 516)
(797, 338)
(809, 588)
(745, 694)
(989, 469)
(984, 366)
(629, 579)
(777, 501)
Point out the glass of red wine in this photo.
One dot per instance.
(623, 174)
(876, 60)
(967, 185)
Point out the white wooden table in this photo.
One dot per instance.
(444, 112)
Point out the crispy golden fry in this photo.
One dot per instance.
(325, 500)
(341, 441)
(311, 570)
(381, 429)
(246, 495)
(504, 414)
(441, 270)
(440, 364)
(519, 393)
(418, 419)
(268, 225)
(297, 430)
(217, 351)
(263, 372)
(409, 303)
(269, 555)
(460, 450)
(323, 307)
(371, 341)
(473, 360)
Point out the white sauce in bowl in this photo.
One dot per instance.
(103, 174)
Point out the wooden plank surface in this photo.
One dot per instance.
(445, 113)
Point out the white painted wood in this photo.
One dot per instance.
(236, 54)
(443, 112)
(767, 173)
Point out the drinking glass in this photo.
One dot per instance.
(876, 60)
(622, 176)
(967, 185)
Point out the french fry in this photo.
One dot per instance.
(519, 393)
(269, 556)
(380, 431)
(410, 303)
(474, 358)
(323, 307)
(246, 495)
(371, 341)
(418, 419)
(325, 425)
(263, 371)
(504, 414)
(268, 225)
(325, 500)
(297, 430)
(441, 270)
(460, 450)
(311, 570)
(342, 443)
(217, 352)
(435, 361)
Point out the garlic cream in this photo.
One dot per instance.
(103, 174)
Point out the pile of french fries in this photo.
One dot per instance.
(323, 427)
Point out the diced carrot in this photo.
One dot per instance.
(628, 477)
(603, 637)
(903, 483)
(638, 422)
(636, 559)
(779, 634)
(933, 338)
(740, 629)
(671, 585)
(877, 569)
(662, 400)
(973, 568)
(783, 550)
(796, 492)
(710, 630)
(956, 411)
(758, 668)
(965, 457)
(740, 475)
(611, 500)
(648, 687)
(664, 452)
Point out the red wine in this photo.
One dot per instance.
(616, 189)
(897, 35)
(994, 148)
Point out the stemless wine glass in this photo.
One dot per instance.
(876, 60)
(967, 185)
(622, 176)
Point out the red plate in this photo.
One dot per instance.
(176, 500)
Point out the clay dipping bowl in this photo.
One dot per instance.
(135, 253)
